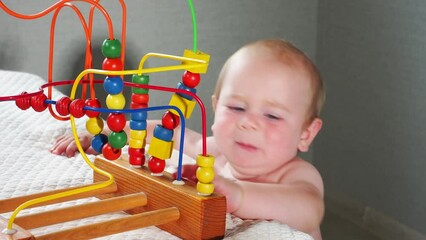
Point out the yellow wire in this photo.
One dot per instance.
(198, 63)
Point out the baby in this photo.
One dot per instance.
(267, 103)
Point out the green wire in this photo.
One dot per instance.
(194, 26)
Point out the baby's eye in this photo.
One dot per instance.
(272, 116)
(236, 109)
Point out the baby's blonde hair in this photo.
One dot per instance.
(288, 54)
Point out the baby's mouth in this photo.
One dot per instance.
(246, 146)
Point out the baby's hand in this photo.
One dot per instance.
(232, 191)
(188, 172)
(65, 145)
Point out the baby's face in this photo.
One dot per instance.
(260, 115)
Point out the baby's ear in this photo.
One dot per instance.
(309, 134)
(214, 102)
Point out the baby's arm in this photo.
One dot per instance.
(297, 201)
(66, 145)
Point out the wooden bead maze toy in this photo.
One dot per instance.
(124, 182)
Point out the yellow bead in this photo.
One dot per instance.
(115, 101)
(138, 134)
(94, 125)
(205, 161)
(160, 149)
(185, 105)
(136, 143)
(205, 175)
(198, 56)
(205, 188)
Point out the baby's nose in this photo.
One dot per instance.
(248, 122)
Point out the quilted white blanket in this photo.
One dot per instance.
(27, 166)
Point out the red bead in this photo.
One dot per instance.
(116, 121)
(110, 153)
(95, 103)
(170, 120)
(38, 104)
(136, 151)
(63, 106)
(112, 64)
(76, 108)
(156, 165)
(140, 98)
(191, 79)
(23, 103)
(134, 105)
(136, 160)
(136, 156)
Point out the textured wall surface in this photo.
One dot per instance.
(162, 26)
(372, 55)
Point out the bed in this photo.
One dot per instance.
(27, 166)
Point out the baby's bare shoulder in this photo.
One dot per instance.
(300, 171)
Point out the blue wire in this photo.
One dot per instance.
(148, 109)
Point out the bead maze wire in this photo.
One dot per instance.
(40, 102)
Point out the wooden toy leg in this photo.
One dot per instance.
(116, 225)
(200, 217)
(21, 233)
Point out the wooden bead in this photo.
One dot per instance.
(205, 188)
(134, 105)
(111, 48)
(23, 103)
(140, 79)
(95, 125)
(115, 101)
(205, 161)
(117, 139)
(136, 151)
(163, 133)
(112, 64)
(113, 85)
(76, 108)
(170, 120)
(205, 174)
(138, 134)
(98, 142)
(136, 161)
(110, 153)
(191, 79)
(116, 121)
(139, 116)
(63, 106)
(140, 98)
(138, 125)
(95, 103)
(182, 86)
(38, 103)
(156, 165)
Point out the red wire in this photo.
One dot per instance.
(51, 49)
(55, 6)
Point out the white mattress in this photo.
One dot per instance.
(27, 166)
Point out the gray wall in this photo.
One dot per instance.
(162, 26)
(372, 55)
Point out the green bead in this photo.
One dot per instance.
(117, 140)
(140, 79)
(111, 48)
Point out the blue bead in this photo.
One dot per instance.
(182, 86)
(163, 133)
(139, 116)
(138, 125)
(113, 85)
(98, 142)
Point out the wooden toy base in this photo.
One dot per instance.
(150, 200)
